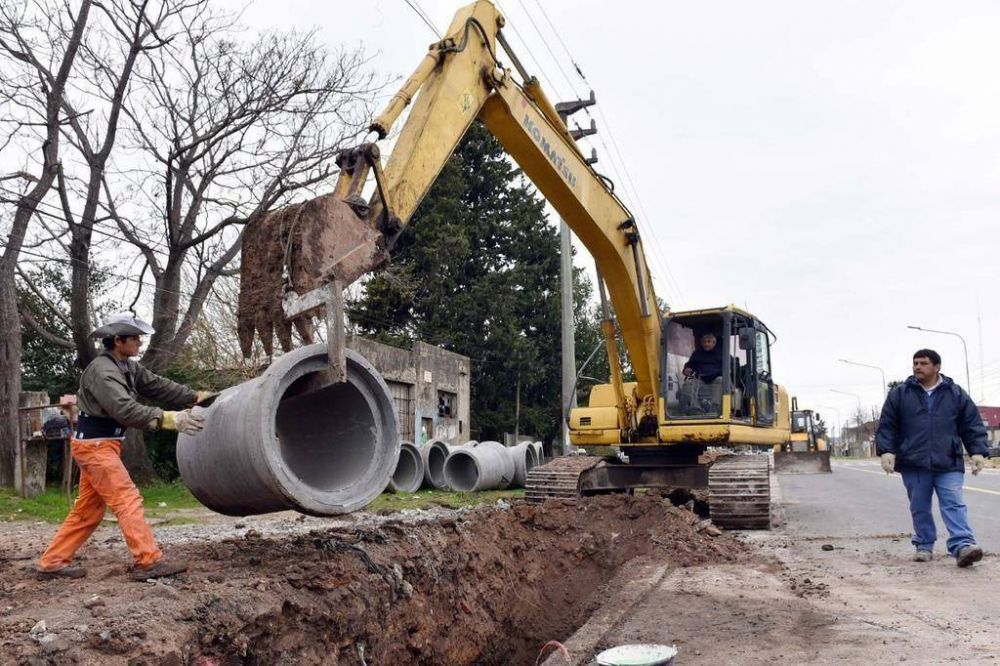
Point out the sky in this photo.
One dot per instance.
(833, 167)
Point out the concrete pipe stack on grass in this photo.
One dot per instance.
(409, 474)
(523, 456)
(484, 466)
(435, 453)
(539, 453)
(283, 441)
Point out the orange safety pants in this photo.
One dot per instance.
(104, 481)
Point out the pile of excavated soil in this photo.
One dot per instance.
(484, 586)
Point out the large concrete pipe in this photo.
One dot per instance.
(485, 466)
(523, 456)
(274, 443)
(409, 474)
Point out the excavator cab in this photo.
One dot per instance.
(805, 450)
(716, 367)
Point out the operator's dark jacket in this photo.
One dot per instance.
(930, 439)
(706, 364)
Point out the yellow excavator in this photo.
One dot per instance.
(669, 428)
(805, 450)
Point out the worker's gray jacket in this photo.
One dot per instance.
(106, 392)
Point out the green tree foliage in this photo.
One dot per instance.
(477, 272)
(46, 366)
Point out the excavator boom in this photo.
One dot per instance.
(296, 260)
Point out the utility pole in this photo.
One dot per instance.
(565, 110)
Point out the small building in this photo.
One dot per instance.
(859, 441)
(991, 419)
(429, 385)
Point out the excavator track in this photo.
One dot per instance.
(739, 492)
(558, 479)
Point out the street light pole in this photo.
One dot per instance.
(840, 424)
(860, 413)
(837, 412)
(965, 349)
(885, 389)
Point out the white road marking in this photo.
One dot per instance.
(868, 471)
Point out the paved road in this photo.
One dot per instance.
(860, 499)
(834, 584)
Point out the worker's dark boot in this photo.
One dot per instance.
(923, 556)
(64, 572)
(968, 555)
(161, 569)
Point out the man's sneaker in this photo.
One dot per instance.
(922, 556)
(161, 569)
(968, 555)
(64, 572)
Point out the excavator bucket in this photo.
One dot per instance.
(293, 251)
(802, 462)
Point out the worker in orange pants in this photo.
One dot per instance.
(107, 400)
(104, 482)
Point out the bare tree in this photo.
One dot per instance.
(30, 63)
(229, 131)
(183, 131)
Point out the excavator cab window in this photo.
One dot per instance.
(800, 422)
(694, 359)
(765, 384)
(742, 387)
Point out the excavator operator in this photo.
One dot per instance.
(705, 364)
(108, 404)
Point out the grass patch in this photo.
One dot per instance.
(51, 505)
(427, 498)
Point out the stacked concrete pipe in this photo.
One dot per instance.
(409, 474)
(434, 453)
(539, 453)
(484, 466)
(277, 442)
(523, 456)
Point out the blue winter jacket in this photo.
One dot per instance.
(931, 439)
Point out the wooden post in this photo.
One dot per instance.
(29, 422)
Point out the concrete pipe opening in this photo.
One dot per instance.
(409, 472)
(463, 472)
(434, 453)
(523, 456)
(278, 442)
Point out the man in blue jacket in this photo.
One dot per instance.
(925, 423)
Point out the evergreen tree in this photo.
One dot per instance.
(477, 272)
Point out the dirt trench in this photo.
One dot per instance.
(485, 586)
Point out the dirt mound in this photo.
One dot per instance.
(489, 585)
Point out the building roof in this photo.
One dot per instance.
(991, 416)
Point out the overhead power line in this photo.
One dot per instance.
(616, 159)
(415, 6)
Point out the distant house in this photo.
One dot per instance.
(860, 441)
(991, 419)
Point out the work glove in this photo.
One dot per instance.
(888, 462)
(978, 463)
(183, 421)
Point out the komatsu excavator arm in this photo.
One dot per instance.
(303, 256)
